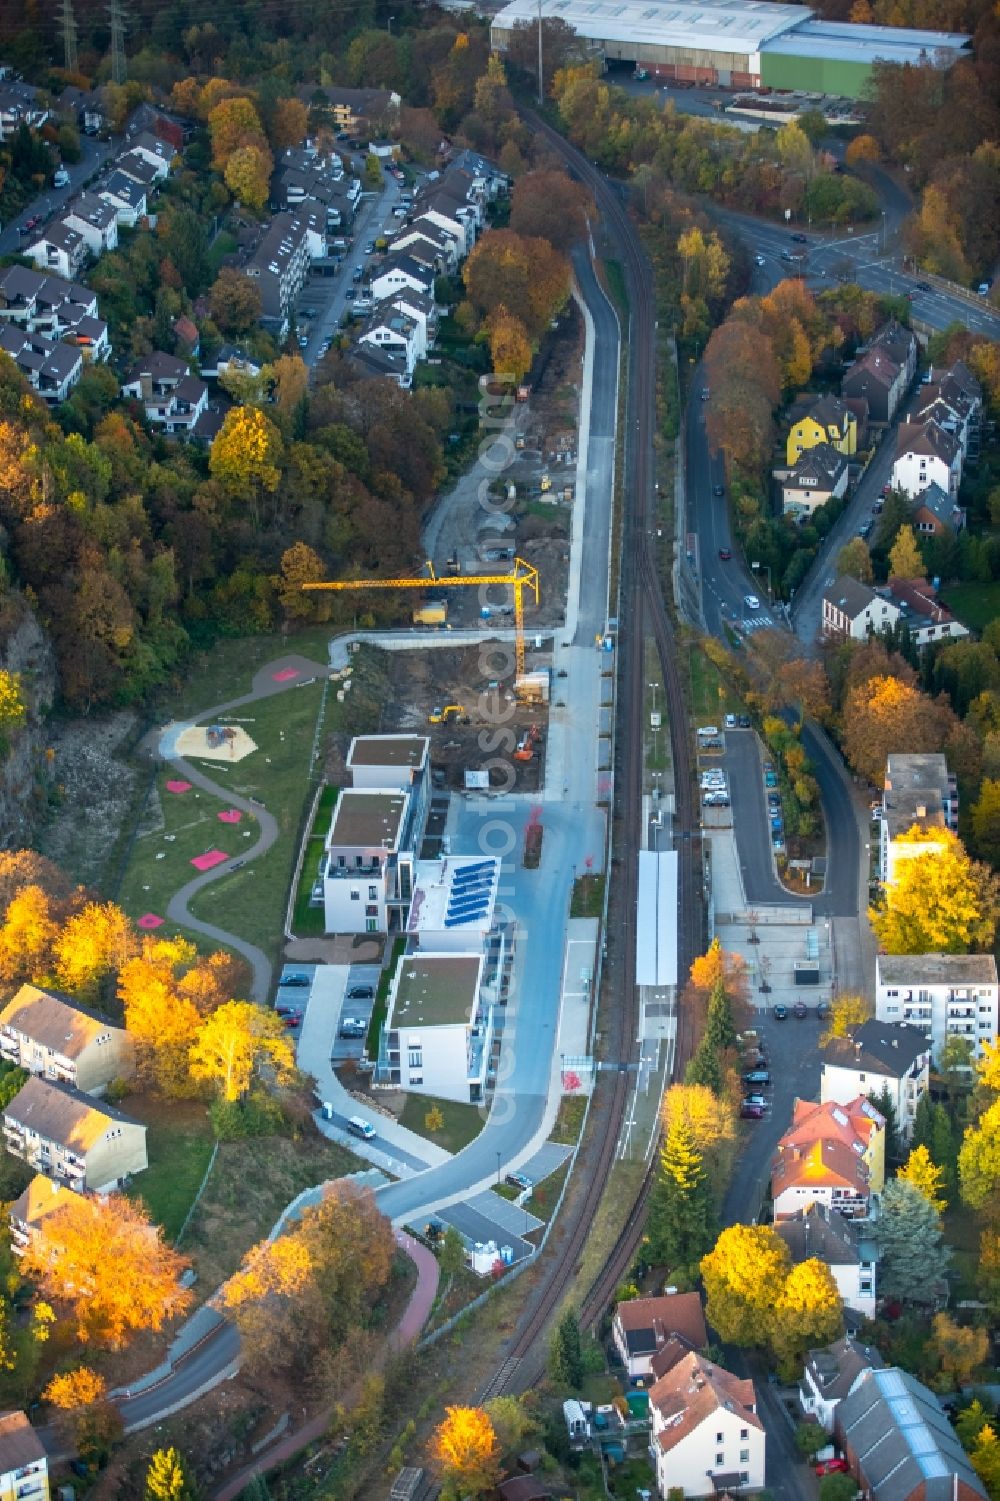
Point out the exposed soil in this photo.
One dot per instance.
(98, 783)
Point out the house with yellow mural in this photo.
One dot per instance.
(828, 420)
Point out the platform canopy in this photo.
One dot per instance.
(656, 928)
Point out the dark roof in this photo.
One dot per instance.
(836, 1367)
(850, 595)
(875, 365)
(926, 437)
(523, 1488)
(120, 185)
(888, 1048)
(822, 462)
(820, 1231)
(830, 411)
(902, 1440)
(938, 502)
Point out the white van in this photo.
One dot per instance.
(358, 1126)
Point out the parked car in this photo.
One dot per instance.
(800, 1010)
(770, 779)
(823, 1010)
(758, 260)
(291, 1019)
(705, 393)
(777, 844)
(296, 981)
(519, 1181)
(757, 1076)
(836, 1466)
(744, 721)
(780, 1012)
(352, 1026)
(361, 993)
(800, 239)
(774, 799)
(757, 1099)
(730, 721)
(751, 1112)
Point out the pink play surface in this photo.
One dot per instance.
(230, 815)
(178, 786)
(285, 675)
(206, 861)
(149, 920)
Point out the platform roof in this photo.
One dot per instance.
(656, 926)
(713, 25)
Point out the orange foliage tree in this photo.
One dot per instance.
(70, 1390)
(745, 379)
(28, 935)
(464, 1451)
(517, 271)
(103, 1264)
(231, 124)
(718, 966)
(95, 941)
(885, 714)
(549, 205)
(510, 349)
(167, 991)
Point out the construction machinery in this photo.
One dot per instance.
(526, 745)
(523, 576)
(450, 712)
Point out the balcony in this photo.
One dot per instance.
(353, 872)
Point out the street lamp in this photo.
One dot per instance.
(388, 24)
(498, 1168)
(767, 569)
(883, 231)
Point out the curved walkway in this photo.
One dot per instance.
(415, 1316)
(263, 685)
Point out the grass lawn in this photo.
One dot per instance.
(380, 1010)
(252, 1182)
(309, 921)
(179, 1142)
(974, 604)
(588, 896)
(569, 1121)
(616, 285)
(711, 695)
(462, 1123)
(225, 670)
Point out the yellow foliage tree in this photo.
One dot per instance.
(905, 561)
(884, 714)
(96, 940)
(743, 1275)
(248, 175)
(105, 1264)
(864, 148)
(247, 451)
(167, 992)
(940, 902)
(847, 1012)
(231, 124)
(710, 1118)
(28, 935)
(920, 1170)
(960, 1349)
(510, 349)
(465, 1452)
(979, 1160)
(81, 1387)
(808, 1313)
(301, 565)
(12, 707)
(234, 1043)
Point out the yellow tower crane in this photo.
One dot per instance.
(524, 576)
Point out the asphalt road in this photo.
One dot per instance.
(93, 156)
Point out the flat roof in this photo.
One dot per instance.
(372, 820)
(388, 750)
(454, 893)
(435, 990)
(847, 42)
(936, 969)
(656, 928)
(712, 24)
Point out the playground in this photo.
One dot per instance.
(215, 742)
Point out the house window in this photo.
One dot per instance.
(744, 1456)
(371, 924)
(720, 1457)
(719, 1438)
(744, 1477)
(359, 860)
(744, 1433)
(373, 893)
(371, 911)
(415, 1058)
(416, 1079)
(355, 896)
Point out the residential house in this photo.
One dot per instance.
(842, 1245)
(833, 1155)
(954, 398)
(399, 763)
(95, 219)
(487, 179)
(397, 333)
(831, 1374)
(158, 153)
(374, 362)
(940, 996)
(28, 1213)
(90, 336)
(83, 108)
(126, 196)
(136, 164)
(820, 475)
(877, 379)
(456, 219)
(49, 1034)
(827, 421)
(899, 1443)
(935, 512)
(642, 1326)
(229, 357)
(453, 909)
(24, 1465)
(187, 336)
(354, 111)
(429, 244)
(170, 129)
(855, 610)
(172, 398)
(280, 265)
(923, 614)
(706, 1435)
(19, 105)
(859, 406)
(438, 1033)
(879, 1055)
(401, 273)
(415, 305)
(368, 861)
(73, 1138)
(43, 304)
(926, 454)
(50, 368)
(61, 249)
(920, 792)
(900, 344)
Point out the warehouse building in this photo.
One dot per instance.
(744, 46)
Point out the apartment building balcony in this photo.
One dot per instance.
(336, 872)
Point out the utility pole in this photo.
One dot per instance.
(116, 15)
(68, 21)
(541, 76)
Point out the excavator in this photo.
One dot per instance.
(451, 713)
(526, 745)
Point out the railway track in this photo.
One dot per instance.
(643, 608)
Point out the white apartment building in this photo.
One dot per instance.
(281, 264)
(438, 1034)
(706, 1435)
(941, 995)
(919, 791)
(367, 869)
(879, 1054)
(96, 220)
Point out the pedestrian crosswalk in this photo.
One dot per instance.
(757, 623)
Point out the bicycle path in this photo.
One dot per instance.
(263, 685)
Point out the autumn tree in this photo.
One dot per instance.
(12, 706)
(28, 935)
(681, 1215)
(709, 1118)
(288, 123)
(886, 714)
(808, 1313)
(167, 991)
(80, 1387)
(913, 1259)
(939, 902)
(248, 175)
(855, 561)
(986, 820)
(743, 1276)
(94, 942)
(922, 1174)
(958, 1348)
(106, 1266)
(464, 1452)
(745, 380)
(235, 1043)
(905, 561)
(246, 454)
(979, 1160)
(847, 1011)
(985, 1459)
(512, 1422)
(234, 301)
(718, 965)
(301, 565)
(232, 124)
(510, 349)
(548, 205)
(518, 272)
(864, 148)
